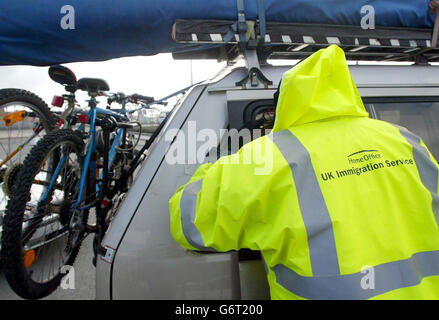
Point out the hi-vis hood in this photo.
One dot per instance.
(318, 88)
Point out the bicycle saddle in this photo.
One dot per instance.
(62, 75)
(92, 85)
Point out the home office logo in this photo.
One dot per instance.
(363, 156)
(360, 162)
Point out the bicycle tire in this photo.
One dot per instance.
(24, 99)
(9, 95)
(12, 246)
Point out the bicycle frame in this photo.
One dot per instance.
(90, 162)
(102, 198)
(121, 135)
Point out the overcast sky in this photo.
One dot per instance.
(156, 76)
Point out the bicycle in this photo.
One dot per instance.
(26, 118)
(66, 174)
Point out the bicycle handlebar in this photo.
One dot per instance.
(144, 99)
(120, 97)
(125, 125)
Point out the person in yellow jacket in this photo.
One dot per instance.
(350, 209)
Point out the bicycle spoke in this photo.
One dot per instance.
(6, 153)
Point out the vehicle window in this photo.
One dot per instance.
(421, 118)
(258, 115)
(248, 120)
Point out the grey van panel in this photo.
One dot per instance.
(168, 271)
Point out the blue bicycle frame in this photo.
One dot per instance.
(89, 162)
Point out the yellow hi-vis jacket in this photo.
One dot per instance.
(349, 209)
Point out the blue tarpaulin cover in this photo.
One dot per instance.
(31, 31)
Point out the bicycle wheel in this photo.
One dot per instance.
(41, 232)
(22, 115)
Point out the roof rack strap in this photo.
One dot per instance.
(239, 26)
(261, 15)
(242, 27)
(435, 30)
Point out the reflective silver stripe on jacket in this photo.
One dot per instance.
(428, 171)
(188, 207)
(357, 286)
(318, 224)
